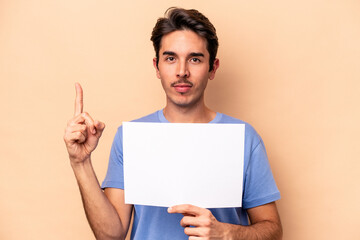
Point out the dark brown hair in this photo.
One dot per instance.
(183, 19)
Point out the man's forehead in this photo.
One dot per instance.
(181, 41)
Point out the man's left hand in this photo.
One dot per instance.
(205, 225)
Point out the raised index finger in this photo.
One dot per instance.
(78, 99)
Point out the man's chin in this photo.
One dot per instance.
(180, 103)
(185, 102)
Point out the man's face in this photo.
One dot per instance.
(184, 67)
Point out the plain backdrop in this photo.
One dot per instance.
(290, 68)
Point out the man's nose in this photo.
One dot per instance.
(182, 70)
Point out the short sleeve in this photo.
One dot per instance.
(115, 173)
(259, 185)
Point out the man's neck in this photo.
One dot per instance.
(195, 114)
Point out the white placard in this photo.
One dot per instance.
(166, 164)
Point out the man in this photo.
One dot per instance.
(186, 44)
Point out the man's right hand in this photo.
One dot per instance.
(82, 132)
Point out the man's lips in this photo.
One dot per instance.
(182, 88)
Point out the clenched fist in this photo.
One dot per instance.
(82, 133)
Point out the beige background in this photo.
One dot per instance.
(290, 68)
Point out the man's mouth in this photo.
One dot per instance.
(182, 86)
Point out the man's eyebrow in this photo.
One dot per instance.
(168, 53)
(193, 54)
(196, 54)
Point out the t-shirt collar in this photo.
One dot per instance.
(164, 120)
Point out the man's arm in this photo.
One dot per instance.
(108, 215)
(81, 138)
(265, 224)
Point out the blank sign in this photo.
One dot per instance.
(166, 164)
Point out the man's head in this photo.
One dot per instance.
(181, 19)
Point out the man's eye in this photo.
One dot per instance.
(195, 60)
(170, 59)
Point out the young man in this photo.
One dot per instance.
(186, 44)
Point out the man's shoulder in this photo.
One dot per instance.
(229, 119)
(157, 116)
(249, 129)
(153, 117)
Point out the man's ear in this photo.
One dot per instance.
(156, 67)
(216, 65)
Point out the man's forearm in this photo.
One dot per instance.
(101, 214)
(265, 230)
